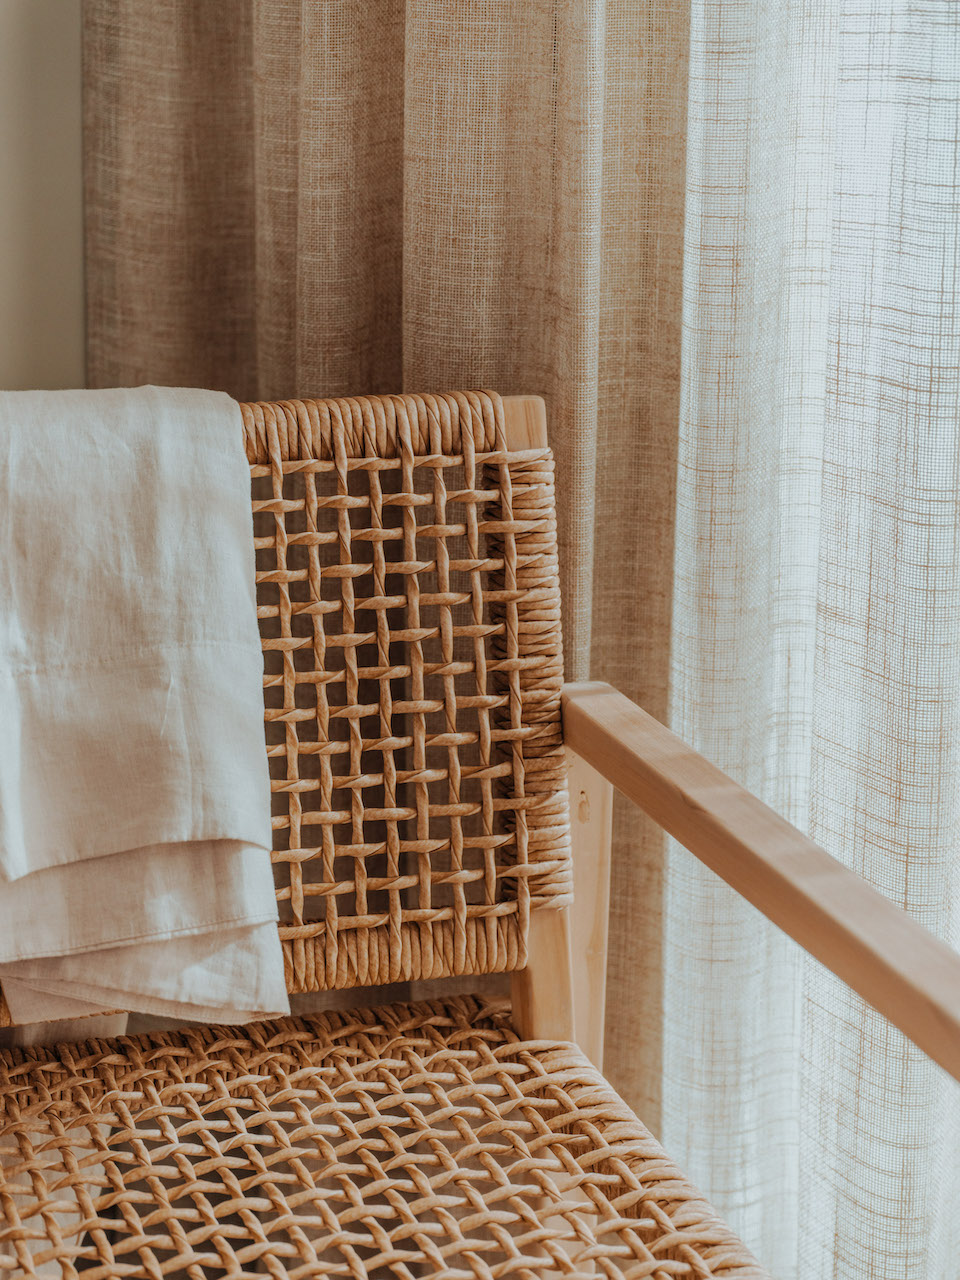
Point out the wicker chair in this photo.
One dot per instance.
(410, 616)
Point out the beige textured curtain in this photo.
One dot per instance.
(722, 239)
(300, 198)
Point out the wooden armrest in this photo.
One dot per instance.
(880, 951)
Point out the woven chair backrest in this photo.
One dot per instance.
(410, 616)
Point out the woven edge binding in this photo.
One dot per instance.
(450, 426)
(374, 426)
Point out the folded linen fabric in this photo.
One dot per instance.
(134, 792)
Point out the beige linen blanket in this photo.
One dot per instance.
(134, 791)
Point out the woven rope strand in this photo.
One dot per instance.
(409, 603)
(413, 1140)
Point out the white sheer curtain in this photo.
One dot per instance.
(816, 627)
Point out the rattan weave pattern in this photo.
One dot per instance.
(415, 1140)
(410, 615)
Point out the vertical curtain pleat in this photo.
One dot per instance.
(644, 145)
(744, 601)
(327, 146)
(501, 253)
(169, 177)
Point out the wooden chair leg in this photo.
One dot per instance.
(542, 994)
(591, 826)
(561, 994)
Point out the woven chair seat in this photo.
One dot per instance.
(409, 1141)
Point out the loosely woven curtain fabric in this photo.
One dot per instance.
(816, 611)
(722, 240)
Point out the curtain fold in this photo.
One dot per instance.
(814, 641)
(722, 240)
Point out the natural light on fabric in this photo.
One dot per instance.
(817, 608)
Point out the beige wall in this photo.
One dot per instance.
(41, 219)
